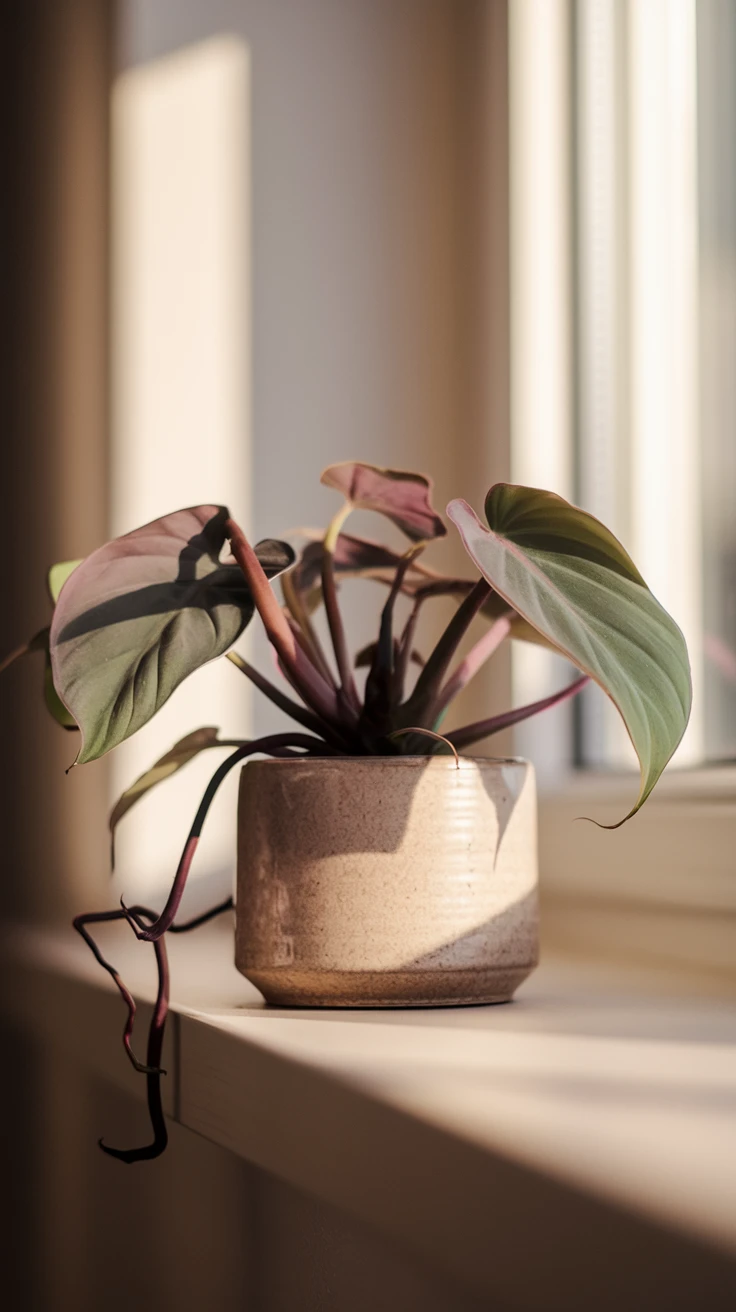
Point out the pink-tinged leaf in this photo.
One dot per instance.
(361, 558)
(353, 558)
(401, 496)
(141, 613)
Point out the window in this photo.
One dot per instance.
(624, 321)
(623, 309)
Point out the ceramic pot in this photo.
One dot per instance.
(405, 881)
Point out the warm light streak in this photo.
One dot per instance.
(541, 291)
(181, 387)
(666, 539)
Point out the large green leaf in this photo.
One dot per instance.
(141, 613)
(570, 578)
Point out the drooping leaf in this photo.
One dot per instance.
(571, 579)
(179, 755)
(402, 496)
(141, 613)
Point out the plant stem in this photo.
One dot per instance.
(473, 733)
(381, 689)
(80, 923)
(430, 680)
(476, 657)
(301, 617)
(406, 643)
(332, 607)
(38, 642)
(278, 744)
(156, 1032)
(309, 682)
(299, 713)
(158, 1020)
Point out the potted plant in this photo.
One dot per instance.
(379, 864)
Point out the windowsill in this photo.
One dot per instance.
(597, 1111)
(660, 891)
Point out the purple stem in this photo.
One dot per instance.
(278, 744)
(310, 684)
(337, 632)
(473, 733)
(157, 1027)
(309, 719)
(430, 679)
(300, 614)
(475, 659)
(406, 643)
(381, 673)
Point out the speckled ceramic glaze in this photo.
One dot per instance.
(387, 882)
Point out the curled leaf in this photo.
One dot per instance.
(179, 755)
(402, 496)
(568, 576)
(141, 613)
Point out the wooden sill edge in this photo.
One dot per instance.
(341, 1140)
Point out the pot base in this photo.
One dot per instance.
(282, 987)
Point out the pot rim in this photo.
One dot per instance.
(449, 762)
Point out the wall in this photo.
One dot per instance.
(379, 313)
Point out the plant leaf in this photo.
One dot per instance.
(58, 575)
(402, 496)
(141, 613)
(571, 579)
(361, 558)
(180, 754)
(54, 704)
(352, 556)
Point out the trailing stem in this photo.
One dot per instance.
(279, 744)
(152, 1067)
